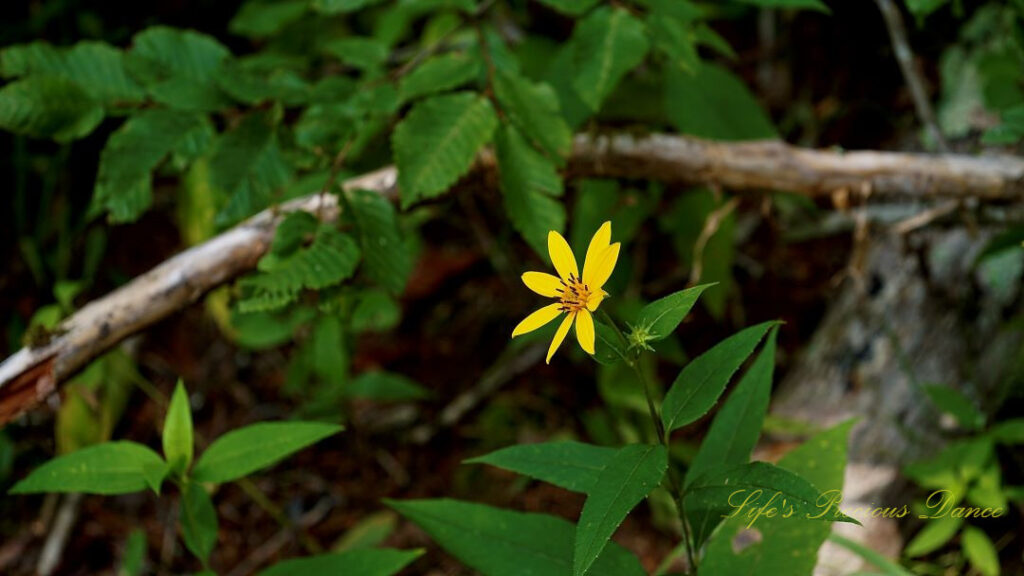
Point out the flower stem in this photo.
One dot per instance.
(675, 486)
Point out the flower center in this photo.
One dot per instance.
(574, 294)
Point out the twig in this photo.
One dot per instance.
(711, 225)
(58, 536)
(32, 374)
(926, 217)
(271, 547)
(911, 75)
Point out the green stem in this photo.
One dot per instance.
(675, 486)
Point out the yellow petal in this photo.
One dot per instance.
(598, 244)
(543, 284)
(602, 268)
(595, 300)
(561, 256)
(537, 319)
(563, 329)
(585, 331)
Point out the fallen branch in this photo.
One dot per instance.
(32, 374)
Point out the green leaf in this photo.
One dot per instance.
(178, 446)
(737, 426)
(714, 103)
(369, 532)
(659, 319)
(385, 258)
(48, 107)
(262, 18)
(246, 450)
(980, 551)
(295, 230)
(179, 67)
(809, 4)
(608, 348)
(529, 185)
(1008, 431)
(358, 52)
(506, 543)
(254, 86)
(436, 143)
(783, 545)
(1011, 131)
(369, 562)
(96, 67)
(954, 403)
(342, 6)
(246, 164)
(571, 7)
(534, 110)
(609, 42)
(935, 534)
(198, 521)
(134, 560)
(627, 479)
(439, 74)
(730, 491)
(108, 468)
(132, 153)
(385, 387)
(702, 381)
(675, 39)
(327, 261)
(571, 465)
(375, 311)
(887, 567)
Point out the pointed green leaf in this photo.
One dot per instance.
(529, 185)
(385, 387)
(534, 110)
(956, 404)
(109, 468)
(935, 534)
(368, 562)
(436, 143)
(660, 318)
(198, 521)
(609, 42)
(572, 465)
(627, 479)
(342, 6)
(439, 74)
(811, 4)
(506, 543)
(48, 107)
(179, 67)
(246, 450)
(703, 380)
(178, 447)
(980, 551)
(571, 7)
(96, 67)
(737, 426)
(1008, 431)
(714, 103)
(262, 18)
(385, 258)
(608, 348)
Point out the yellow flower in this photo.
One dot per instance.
(577, 295)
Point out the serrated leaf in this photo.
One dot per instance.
(529, 185)
(702, 381)
(385, 387)
(246, 164)
(439, 74)
(253, 87)
(935, 534)
(784, 545)
(608, 43)
(177, 436)
(368, 562)
(358, 52)
(675, 39)
(375, 311)
(660, 318)
(132, 153)
(571, 7)
(436, 143)
(108, 468)
(534, 110)
(262, 18)
(631, 474)
(48, 107)
(385, 258)
(295, 230)
(809, 4)
(714, 103)
(506, 543)
(178, 67)
(96, 67)
(198, 521)
(342, 6)
(329, 259)
(980, 551)
(574, 466)
(246, 450)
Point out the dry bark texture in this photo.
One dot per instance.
(30, 375)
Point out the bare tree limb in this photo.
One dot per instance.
(32, 374)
